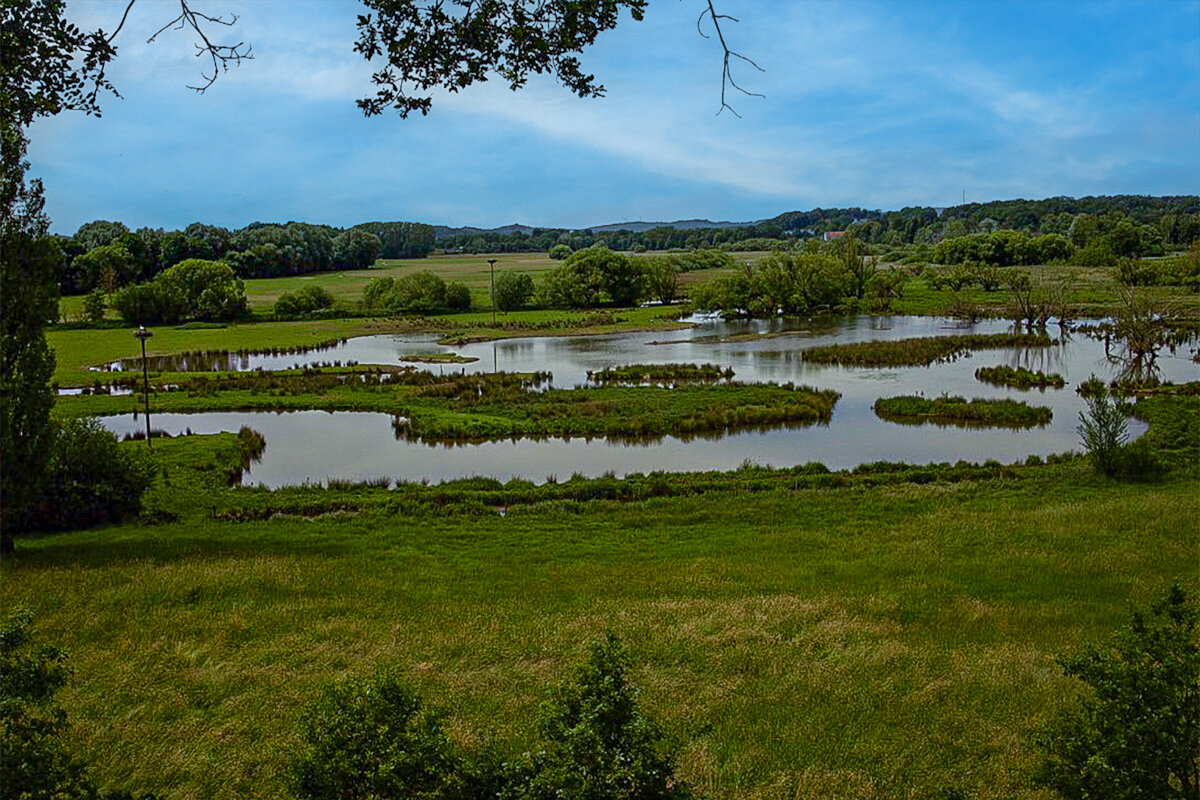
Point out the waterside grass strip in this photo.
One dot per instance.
(912, 410)
(488, 406)
(920, 351)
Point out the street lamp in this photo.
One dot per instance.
(142, 335)
(492, 264)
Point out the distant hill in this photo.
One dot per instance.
(679, 225)
(445, 232)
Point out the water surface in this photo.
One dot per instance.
(316, 445)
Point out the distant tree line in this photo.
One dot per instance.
(107, 255)
(1176, 219)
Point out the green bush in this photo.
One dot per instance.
(515, 289)
(1102, 426)
(458, 297)
(1136, 734)
(590, 273)
(92, 479)
(376, 739)
(600, 744)
(371, 739)
(417, 293)
(304, 301)
(93, 305)
(192, 289)
(560, 252)
(38, 758)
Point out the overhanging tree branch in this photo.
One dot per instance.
(726, 74)
(220, 55)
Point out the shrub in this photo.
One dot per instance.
(601, 745)
(514, 289)
(39, 759)
(1136, 734)
(304, 301)
(371, 739)
(92, 479)
(458, 297)
(93, 305)
(192, 289)
(419, 292)
(560, 252)
(1102, 427)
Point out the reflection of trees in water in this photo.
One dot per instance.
(1140, 332)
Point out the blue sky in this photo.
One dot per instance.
(875, 104)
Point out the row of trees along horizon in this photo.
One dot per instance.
(108, 255)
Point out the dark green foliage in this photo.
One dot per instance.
(1019, 377)
(909, 409)
(376, 739)
(1003, 249)
(589, 274)
(192, 289)
(782, 283)
(454, 49)
(371, 739)
(1136, 733)
(28, 300)
(1182, 270)
(38, 760)
(515, 289)
(458, 297)
(356, 249)
(304, 301)
(418, 292)
(920, 351)
(91, 479)
(600, 746)
(560, 252)
(401, 239)
(662, 278)
(1102, 427)
(94, 305)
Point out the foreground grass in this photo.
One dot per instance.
(800, 643)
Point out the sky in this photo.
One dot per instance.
(871, 103)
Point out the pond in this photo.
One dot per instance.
(315, 445)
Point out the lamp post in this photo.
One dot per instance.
(142, 335)
(492, 264)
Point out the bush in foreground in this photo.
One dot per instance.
(1137, 732)
(92, 479)
(375, 738)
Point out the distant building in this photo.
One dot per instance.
(829, 236)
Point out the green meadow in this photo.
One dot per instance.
(889, 632)
(882, 642)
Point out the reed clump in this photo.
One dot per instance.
(920, 351)
(948, 410)
(1019, 378)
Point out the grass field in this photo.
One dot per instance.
(869, 643)
(799, 634)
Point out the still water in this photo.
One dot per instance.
(316, 445)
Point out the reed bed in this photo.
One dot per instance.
(920, 351)
(1019, 378)
(946, 410)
